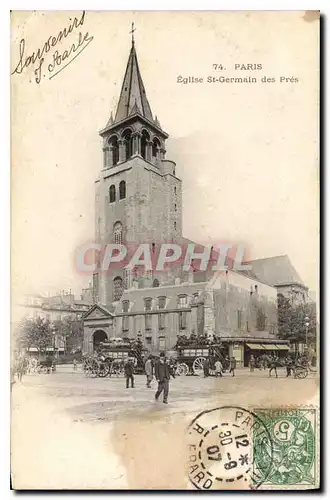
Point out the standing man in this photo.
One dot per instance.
(206, 367)
(232, 365)
(129, 371)
(162, 374)
(288, 363)
(252, 363)
(148, 369)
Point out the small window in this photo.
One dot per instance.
(174, 225)
(239, 320)
(155, 283)
(148, 340)
(161, 321)
(182, 301)
(118, 233)
(182, 320)
(112, 194)
(174, 190)
(162, 344)
(117, 288)
(147, 304)
(175, 207)
(161, 302)
(147, 321)
(125, 323)
(125, 305)
(122, 190)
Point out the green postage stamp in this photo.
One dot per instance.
(293, 451)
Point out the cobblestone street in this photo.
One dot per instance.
(73, 430)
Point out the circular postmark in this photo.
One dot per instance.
(222, 447)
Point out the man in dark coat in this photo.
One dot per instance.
(232, 365)
(162, 374)
(129, 371)
(206, 367)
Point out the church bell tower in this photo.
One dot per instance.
(138, 195)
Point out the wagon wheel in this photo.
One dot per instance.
(182, 369)
(300, 372)
(198, 366)
(103, 369)
(94, 368)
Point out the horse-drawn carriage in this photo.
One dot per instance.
(112, 356)
(193, 352)
(46, 365)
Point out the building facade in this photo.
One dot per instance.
(138, 199)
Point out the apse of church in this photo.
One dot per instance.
(138, 195)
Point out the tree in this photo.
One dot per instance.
(291, 320)
(35, 332)
(71, 332)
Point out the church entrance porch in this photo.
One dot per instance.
(98, 337)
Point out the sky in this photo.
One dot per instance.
(247, 153)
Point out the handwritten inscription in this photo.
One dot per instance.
(58, 59)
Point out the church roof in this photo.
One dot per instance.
(133, 95)
(276, 271)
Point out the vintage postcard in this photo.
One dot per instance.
(165, 250)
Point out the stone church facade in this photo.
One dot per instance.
(138, 199)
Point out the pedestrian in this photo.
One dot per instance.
(218, 368)
(265, 361)
(162, 374)
(252, 363)
(232, 365)
(273, 362)
(148, 368)
(288, 363)
(206, 367)
(129, 371)
(74, 364)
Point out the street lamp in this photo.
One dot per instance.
(306, 326)
(54, 338)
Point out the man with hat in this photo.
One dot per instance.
(129, 372)
(162, 374)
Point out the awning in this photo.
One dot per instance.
(270, 347)
(283, 347)
(255, 346)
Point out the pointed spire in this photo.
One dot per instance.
(110, 122)
(132, 91)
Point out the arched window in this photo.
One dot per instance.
(113, 143)
(122, 190)
(118, 288)
(118, 233)
(144, 141)
(112, 193)
(127, 136)
(155, 283)
(155, 146)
